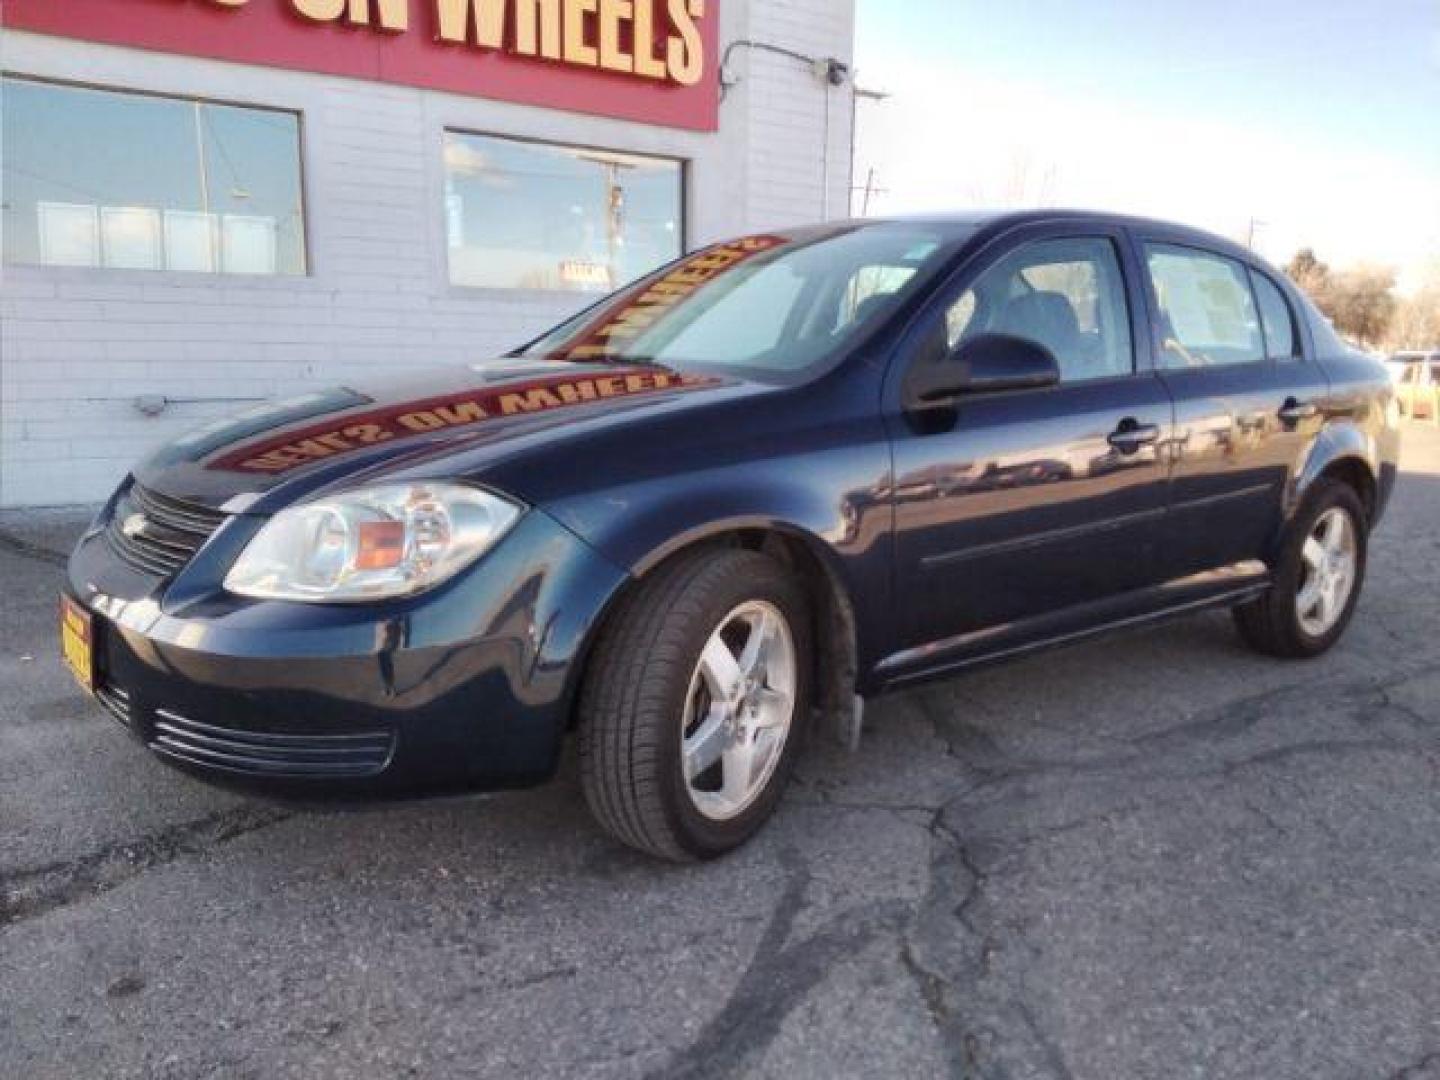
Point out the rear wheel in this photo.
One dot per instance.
(693, 706)
(1318, 577)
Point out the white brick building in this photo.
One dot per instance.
(98, 322)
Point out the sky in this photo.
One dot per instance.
(1307, 123)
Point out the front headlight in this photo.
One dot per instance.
(371, 544)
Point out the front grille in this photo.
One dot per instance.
(156, 534)
(256, 753)
(115, 700)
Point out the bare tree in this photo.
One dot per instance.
(1360, 302)
(1417, 318)
(1365, 303)
(1026, 183)
(1314, 278)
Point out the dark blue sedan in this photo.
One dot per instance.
(731, 502)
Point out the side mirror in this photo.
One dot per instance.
(984, 365)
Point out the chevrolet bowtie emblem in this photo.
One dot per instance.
(133, 525)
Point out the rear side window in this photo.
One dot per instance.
(1276, 319)
(1207, 311)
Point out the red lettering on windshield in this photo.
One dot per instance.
(622, 325)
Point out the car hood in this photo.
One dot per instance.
(276, 453)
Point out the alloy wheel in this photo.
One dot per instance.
(739, 710)
(1330, 560)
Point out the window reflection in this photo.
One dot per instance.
(523, 215)
(1067, 295)
(102, 178)
(1207, 311)
(1275, 318)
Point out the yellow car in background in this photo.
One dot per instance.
(1417, 384)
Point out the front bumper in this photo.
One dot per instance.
(466, 687)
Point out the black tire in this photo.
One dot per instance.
(1271, 624)
(633, 701)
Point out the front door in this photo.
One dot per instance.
(1247, 403)
(1018, 505)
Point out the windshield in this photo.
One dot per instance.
(768, 306)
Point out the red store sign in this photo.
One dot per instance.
(652, 61)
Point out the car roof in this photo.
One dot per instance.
(996, 221)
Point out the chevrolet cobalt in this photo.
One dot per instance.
(730, 503)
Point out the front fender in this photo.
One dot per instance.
(836, 504)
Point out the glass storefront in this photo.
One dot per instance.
(526, 215)
(124, 181)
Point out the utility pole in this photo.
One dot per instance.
(200, 150)
(869, 190)
(859, 94)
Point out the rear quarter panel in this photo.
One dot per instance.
(1360, 423)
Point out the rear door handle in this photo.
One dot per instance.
(1294, 411)
(1131, 435)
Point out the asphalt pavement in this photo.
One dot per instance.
(1154, 855)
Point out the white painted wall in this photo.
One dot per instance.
(799, 129)
(77, 346)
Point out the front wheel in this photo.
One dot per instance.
(693, 705)
(1318, 576)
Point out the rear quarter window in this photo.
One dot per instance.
(1276, 319)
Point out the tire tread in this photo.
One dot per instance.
(625, 716)
(1268, 625)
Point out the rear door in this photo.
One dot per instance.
(1247, 394)
(1014, 506)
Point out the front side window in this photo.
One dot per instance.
(1068, 295)
(771, 306)
(1276, 319)
(1207, 311)
(102, 178)
(525, 215)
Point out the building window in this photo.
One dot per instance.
(103, 178)
(524, 215)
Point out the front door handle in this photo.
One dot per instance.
(1131, 435)
(1294, 411)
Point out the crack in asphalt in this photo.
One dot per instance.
(26, 550)
(988, 1019)
(948, 947)
(30, 893)
(953, 971)
(942, 985)
(1362, 702)
(1414, 1070)
(779, 976)
(1049, 1048)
